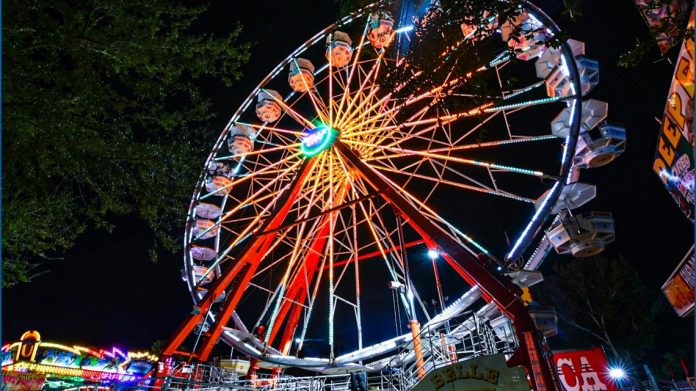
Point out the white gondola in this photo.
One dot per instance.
(593, 112)
(589, 73)
(582, 235)
(208, 211)
(219, 169)
(551, 57)
(202, 292)
(267, 107)
(338, 49)
(525, 35)
(203, 253)
(301, 76)
(221, 185)
(555, 74)
(558, 83)
(240, 141)
(573, 195)
(199, 272)
(204, 229)
(594, 152)
(380, 29)
(525, 278)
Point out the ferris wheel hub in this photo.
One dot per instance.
(317, 139)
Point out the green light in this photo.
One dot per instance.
(315, 140)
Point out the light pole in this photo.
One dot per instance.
(433, 255)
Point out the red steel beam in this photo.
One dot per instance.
(499, 290)
(297, 293)
(378, 253)
(249, 254)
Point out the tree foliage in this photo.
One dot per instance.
(103, 116)
(605, 300)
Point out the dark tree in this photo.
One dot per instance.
(103, 116)
(605, 300)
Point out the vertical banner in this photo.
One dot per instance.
(674, 158)
(583, 370)
(679, 287)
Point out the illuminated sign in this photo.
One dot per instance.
(583, 370)
(317, 139)
(679, 287)
(480, 373)
(674, 158)
(32, 356)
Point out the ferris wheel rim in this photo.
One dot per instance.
(551, 198)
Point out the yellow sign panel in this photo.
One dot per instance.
(485, 373)
(674, 158)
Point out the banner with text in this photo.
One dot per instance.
(679, 287)
(674, 159)
(583, 370)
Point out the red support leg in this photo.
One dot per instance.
(248, 261)
(297, 291)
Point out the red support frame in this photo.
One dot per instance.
(499, 290)
(246, 263)
(297, 291)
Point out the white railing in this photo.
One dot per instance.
(443, 344)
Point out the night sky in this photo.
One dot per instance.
(106, 292)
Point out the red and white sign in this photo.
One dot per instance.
(679, 287)
(583, 370)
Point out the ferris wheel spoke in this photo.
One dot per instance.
(529, 103)
(441, 120)
(281, 289)
(438, 218)
(245, 203)
(258, 152)
(379, 138)
(377, 241)
(261, 215)
(320, 113)
(322, 228)
(463, 147)
(263, 127)
(494, 166)
(433, 93)
(507, 95)
(292, 113)
(373, 71)
(245, 178)
(460, 185)
(387, 235)
(349, 118)
(346, 91)
(290, 295)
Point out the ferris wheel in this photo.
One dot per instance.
(308, 234)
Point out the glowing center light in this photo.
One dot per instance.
(317, 139)
(432, 254)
